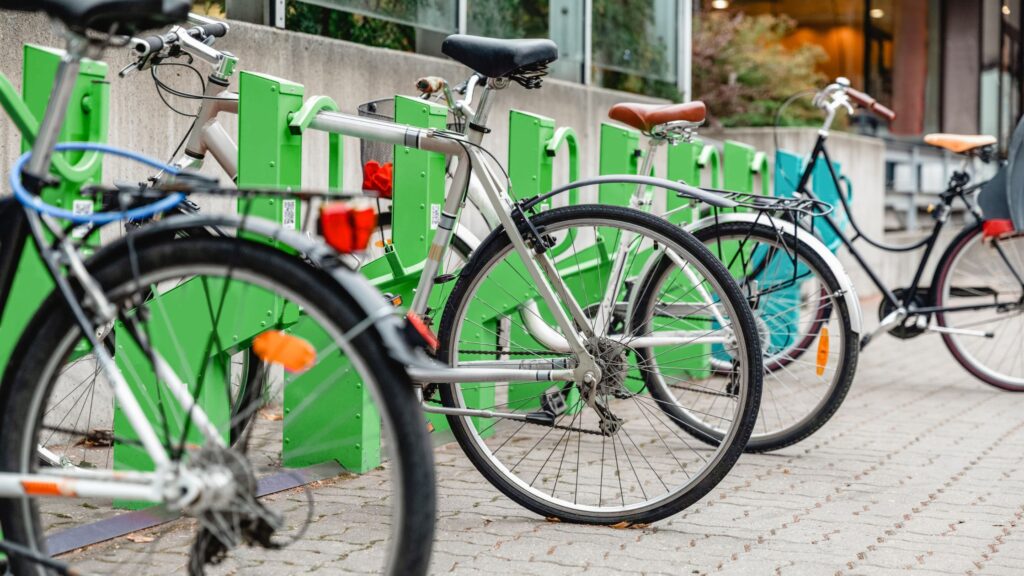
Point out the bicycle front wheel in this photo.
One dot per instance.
(198, 301)
(605, 451)
(979, 289)
(809, 347)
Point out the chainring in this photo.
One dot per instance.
(908, 328)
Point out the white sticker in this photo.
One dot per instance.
(435, 216)
(288, 213)
(81, 208)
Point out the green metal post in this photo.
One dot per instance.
(86, 120)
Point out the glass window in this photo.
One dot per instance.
(1001, 68)
(435, 15)
(634, 45)
(560, 20)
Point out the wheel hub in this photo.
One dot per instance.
(611, 357)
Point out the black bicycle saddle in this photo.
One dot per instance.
(497, 58)
(117, 16)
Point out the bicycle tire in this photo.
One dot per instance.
(781, 363)
(498, 244)
(30, 380)
(942, 291)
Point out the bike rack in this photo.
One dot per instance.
(87, 119)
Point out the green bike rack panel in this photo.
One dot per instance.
(690, 162)
(533, 145)
(86, 120)
(417, 198)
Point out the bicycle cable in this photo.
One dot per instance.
(860, 234)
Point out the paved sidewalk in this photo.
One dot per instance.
(921, 470)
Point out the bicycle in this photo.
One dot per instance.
(108, 320)
(537, 383)
(979, 278)
(801, 296)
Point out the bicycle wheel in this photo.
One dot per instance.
(798, 307)
(236, 292)
(984, 277)
(599, 452)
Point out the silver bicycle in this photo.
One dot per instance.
(545, 335)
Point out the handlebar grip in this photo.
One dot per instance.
(430, 84)
(883, 111)
(865, 101)
(215, 29)
(148, 45)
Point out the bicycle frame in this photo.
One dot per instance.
(476, 181)
(941, 219)
(168, 483)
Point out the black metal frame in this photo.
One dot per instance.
(956, 189)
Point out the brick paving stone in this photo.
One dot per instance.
(918, 472)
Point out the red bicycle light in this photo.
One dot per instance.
(996, 228)
(347, 229)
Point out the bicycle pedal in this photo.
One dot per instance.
(542, 418)
(553, 402)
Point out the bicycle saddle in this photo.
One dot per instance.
(497, 58)
(959, 143)
(644, 117)
(119, 16)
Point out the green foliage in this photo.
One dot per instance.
(508, 18)
(743, 72)
(352, 27)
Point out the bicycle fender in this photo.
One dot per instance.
(788, 228)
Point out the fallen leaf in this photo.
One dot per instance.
(272, 416)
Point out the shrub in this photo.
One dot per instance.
(743, 72)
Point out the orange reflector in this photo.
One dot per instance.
(347, 229)
(40, 488)
(396, 301)
(822, 350)
(292, 352)
(423, 331)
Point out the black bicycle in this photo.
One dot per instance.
(976, 296)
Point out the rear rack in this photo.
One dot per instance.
(777, 205)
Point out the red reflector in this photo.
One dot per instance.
(995, 228)
(347, 229)
(423, 330)
(378, 177)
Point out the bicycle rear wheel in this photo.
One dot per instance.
(984, 278)
(809, 348)
(599, 452)
(236, 295)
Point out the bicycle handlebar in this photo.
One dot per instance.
(867, 102)
(155, 43)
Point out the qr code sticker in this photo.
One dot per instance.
(288, 213)
(435, 216)
(81, 208)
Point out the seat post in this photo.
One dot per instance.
(53, 120)
(640, 199)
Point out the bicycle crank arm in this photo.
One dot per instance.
(446, 375)
(542, 418)
(960, 331)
